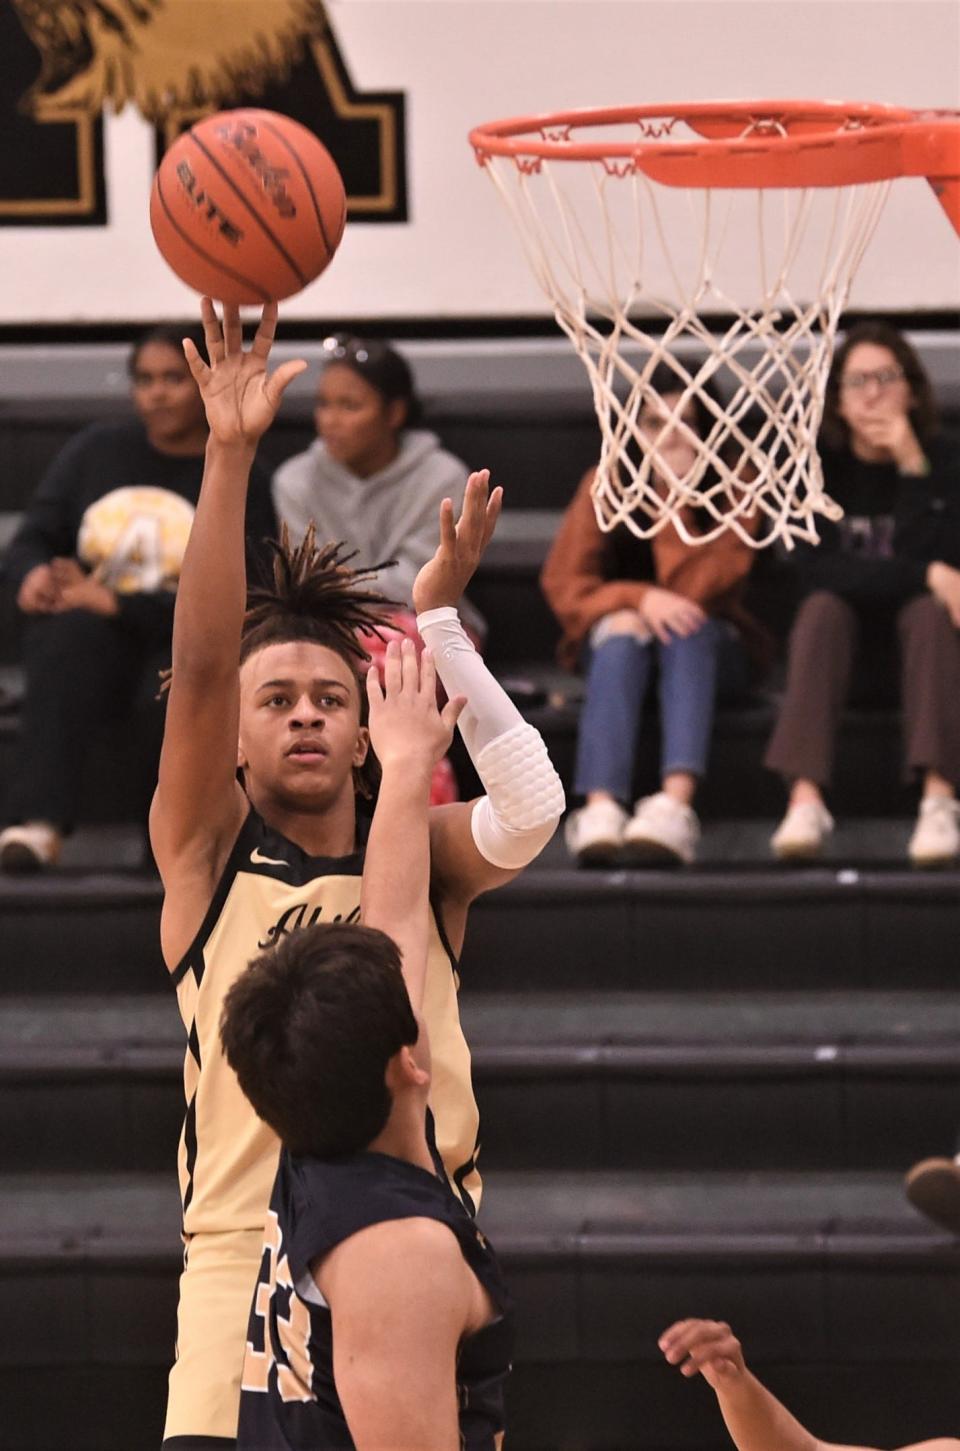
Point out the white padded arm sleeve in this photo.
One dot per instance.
(489, 711)
(524, 801)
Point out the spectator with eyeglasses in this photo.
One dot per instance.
(887, 573)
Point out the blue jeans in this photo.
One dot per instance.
(618, 677)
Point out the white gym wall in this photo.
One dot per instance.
(464, 61)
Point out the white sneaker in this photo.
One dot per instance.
(29, 847)
(801, 832)
(661, 830)
(936, 838)
(594, 833)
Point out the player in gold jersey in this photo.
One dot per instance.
(244, 864)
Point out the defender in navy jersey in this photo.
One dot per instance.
(380, 1319)
(289, 1395)
(252, 860)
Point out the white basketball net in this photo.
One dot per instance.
(617, 254)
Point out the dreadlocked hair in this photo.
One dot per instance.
(312, 593)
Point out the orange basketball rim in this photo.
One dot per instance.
(720, 238)
(755, 144)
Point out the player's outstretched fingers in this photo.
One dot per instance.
(474, 512)
(452, 712)
(409, 668)
(232, 329)
(428, 676)
(195, 363)
(374, 691)
(279, 380)
(212, 331)
(448, 527)
(392, 669)
(494, 506)
(266, 331)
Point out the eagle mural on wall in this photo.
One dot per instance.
(161, 54)
(66, 61)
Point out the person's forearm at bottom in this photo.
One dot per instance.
(757, 1421)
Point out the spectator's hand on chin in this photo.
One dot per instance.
(893, 432)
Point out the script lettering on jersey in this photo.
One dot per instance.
(210, 210)
(273, 179)
(301, 914)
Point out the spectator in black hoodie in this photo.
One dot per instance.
(888, 570)
(94, 568)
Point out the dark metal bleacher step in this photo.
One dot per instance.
(810, 1269)
(750, 925)
(758, 928)
(624, 1080)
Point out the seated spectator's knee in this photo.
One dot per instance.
(925, 617)
(823, 611)
(619, 624)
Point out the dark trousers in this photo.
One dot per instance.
(824, 643)
(82, 670)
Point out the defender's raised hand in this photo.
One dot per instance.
(407, 731)
(443, 579)
(241, 399)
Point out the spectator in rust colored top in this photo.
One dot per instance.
(627, 606)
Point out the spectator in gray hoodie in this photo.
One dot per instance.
(371, 477)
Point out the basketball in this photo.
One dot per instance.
(247, 207)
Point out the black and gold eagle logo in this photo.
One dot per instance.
(65, 61)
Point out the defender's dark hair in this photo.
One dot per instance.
(309, 1029)
(379, 365)
(170, 336)
(312, 593)
(922, 411)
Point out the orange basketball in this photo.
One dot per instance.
(247, 206)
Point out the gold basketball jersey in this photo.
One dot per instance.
(228, 1156)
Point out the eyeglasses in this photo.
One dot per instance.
(883, 377)
(359, 350)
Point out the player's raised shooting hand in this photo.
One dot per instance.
(407, 731)
(443, 579)
(240, 397)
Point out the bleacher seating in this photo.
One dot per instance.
(698, 1089)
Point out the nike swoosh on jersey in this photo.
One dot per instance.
(259, 859)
